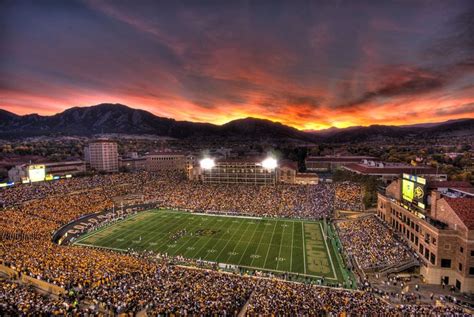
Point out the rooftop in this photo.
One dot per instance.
(164, 153)
(449, 184)
(390, 169)
(353, 158)
(288, 164)
(464, 209)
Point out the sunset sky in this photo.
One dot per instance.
(308, 64)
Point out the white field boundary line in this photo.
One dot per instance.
(99, 247)
(328, 251)
(292, 245)
(270, 278)
(208, 214)
(272, 270)
(304, 246)
(223, 214)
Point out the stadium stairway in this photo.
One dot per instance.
(400, 267)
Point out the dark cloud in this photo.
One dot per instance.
(403, 83)
(460, 110)
(457, 41)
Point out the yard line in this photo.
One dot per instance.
(329, 253)
(161, 225)
(197, 240)
(238, 242)
(258, 246)
(281, 243)
(291, 254)
(152, 234)
(128, 235)
(304, 248)
(227, 240)
(109, 240)
(199, 251)
(270, 246)
(186, 224)
(250, 242)
(93, 233)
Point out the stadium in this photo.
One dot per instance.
(156, 243)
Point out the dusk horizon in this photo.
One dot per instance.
(256, 116)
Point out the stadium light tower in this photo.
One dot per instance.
(269, 163)
(207, 163)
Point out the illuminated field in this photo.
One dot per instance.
(265, 244)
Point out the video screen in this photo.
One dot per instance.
(36, 173)
(414, 190)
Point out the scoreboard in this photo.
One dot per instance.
(36, 173)
(414, 190)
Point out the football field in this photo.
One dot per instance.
(268, 244)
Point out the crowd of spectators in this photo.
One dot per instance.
(348, 196)
(127, 282)
(21, 300)
(310, 201)
(371, 243)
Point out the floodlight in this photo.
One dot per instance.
(269, 163)
(207, 163)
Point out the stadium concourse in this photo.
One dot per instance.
(104, 282)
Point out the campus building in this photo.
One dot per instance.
(441, 233)
(165, 161)
(20, 173)
(332, 162)
(103, 155)
(237, 171)
(388, 172)
(286, 172)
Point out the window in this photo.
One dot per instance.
(446, 263)
(461, 249)
(460, 267)
(432, 258)
(472, 252)
(471, 270)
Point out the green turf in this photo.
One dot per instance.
(284, 245)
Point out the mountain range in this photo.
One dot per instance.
(117, 118)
